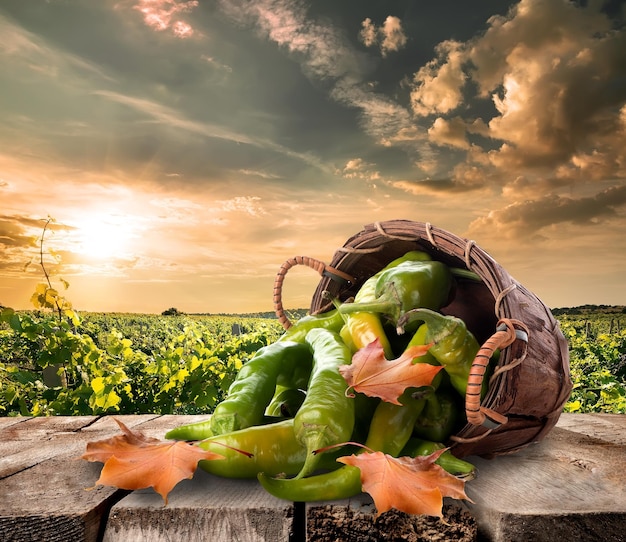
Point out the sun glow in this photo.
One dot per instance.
(104, 237)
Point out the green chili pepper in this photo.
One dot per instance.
(392, 425)
(364, 408)
(440, 417)
(455, 347)
(411, 256)
(364, 327)
(286, 402)
(409, 285)
(345, 482)
(191, 431)
(294, 372)
(344, 333)
(390, 429)
(201, 430)
(274, 449)
(330, 320)
(254, 386)
(449, 462)
(419, 339)
(417, 284)
(326, 416)
(342, 483)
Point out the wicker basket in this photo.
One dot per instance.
(531, 382)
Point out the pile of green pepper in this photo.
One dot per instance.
(289, 401)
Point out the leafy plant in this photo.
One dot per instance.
(173, 365)
(597, 360)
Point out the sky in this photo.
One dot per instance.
(186, 149)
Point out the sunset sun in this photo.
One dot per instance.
(103, 237)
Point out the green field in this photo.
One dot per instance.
(597, 347)
(184, 364)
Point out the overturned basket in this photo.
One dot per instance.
(531, 382)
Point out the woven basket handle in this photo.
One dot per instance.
(323, 269)
(505, 335)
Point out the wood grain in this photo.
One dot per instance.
(570, 486)
(204, 508)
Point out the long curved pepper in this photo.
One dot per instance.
(251, 392)
(326, 417)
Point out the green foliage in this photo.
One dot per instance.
(597, 346)
(178, 364)
(129, 364)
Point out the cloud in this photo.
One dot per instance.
(27, 54)
(14, 231)
(369, 33)
(423, 186)
(554, 74)
(20, 236)
(321, 48)
(216, 64)
(393, 35)
(257, 173)
(389, 123)
(438, 85)
(357, 168)
(389, 37)
(173, 118)
(326, 55)
(249, 205)
(450, 132)
(162, 15)
(526, 219)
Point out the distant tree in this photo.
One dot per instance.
(172, 311)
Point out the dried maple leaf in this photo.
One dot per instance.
(415, 485)
(134, 461)
(372, 374)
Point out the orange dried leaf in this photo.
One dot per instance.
(134, 461)
(372, 374)
(412, 485)
(102, 450)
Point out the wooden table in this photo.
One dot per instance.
(571, 486)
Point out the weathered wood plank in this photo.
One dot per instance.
(10, 420)
(204, 508)
(609, 427)
(35, 440)
(49, 502)
(43, 482)
(570, 486)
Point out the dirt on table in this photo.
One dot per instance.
(332, 523)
